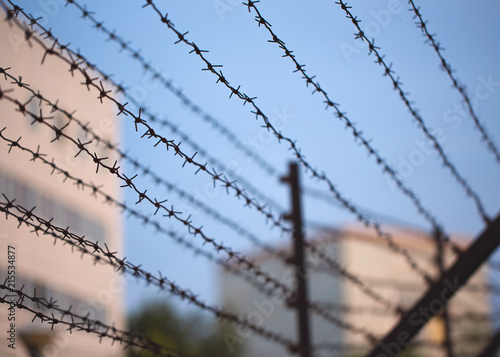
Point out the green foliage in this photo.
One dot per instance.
(194, 335)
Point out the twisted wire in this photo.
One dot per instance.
(75, 65)
(80, 322)
(188, 102)
(240, 230)
(147, 221)
(388, 72)
(250, 266)
(103, 254)
(293, 145)
(30, 219)
(142, 195)
(89, 82)
(446, 67)
(358, 135)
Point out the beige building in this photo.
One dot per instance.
(54, 270)
(368, 258)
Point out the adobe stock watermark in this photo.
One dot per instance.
(265, 308)
(420, 317)
(48, 9)
(380, 20)
(104, 298)
(257, 143)
(454, 117)
(222, 7)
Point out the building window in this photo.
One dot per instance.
(48, 208)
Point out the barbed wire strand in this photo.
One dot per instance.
(142, 195)
(150, 132)
(176, 91)
(389, 72)
(145, 220)
(89, 82)
(358, 135)
(30, 219)
(240, 230)
(80, 322)
(446, 67)
(103, 254)
(100, 98)
(242, 261)
(165, 122)
(81, 184)
(293, 145)
(234, 257)
(216, 124)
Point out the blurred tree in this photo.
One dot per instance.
(193, 335)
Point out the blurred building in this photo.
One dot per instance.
(54, 270)
(369, 259)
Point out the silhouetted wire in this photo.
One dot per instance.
(148, 172)
(167, 123)
(317, 250)
(293, 146)
(41, 225)
(135, 54)
(75, 65)
(196, 109)
(77, 322)
(242, 261)
(104, 94)
(188, 102)
(358, 135)
(414, 112)
(446, 67)
(96, 191)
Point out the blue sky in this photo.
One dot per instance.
(323, 39)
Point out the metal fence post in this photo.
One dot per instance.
(300, 271)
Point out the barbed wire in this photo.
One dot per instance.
(104, 254)
(389, 72)
(89, 82)
(112, 35)
(293, 146)
(167, 123)
(102, 90)
(147, 221)
(240, 260)
(80, 322)
(168, 84)
(446, 67)
(30, 219)
(146, 171)
(357, 134)
(142, 195)
(75, 65)
(114, 169)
